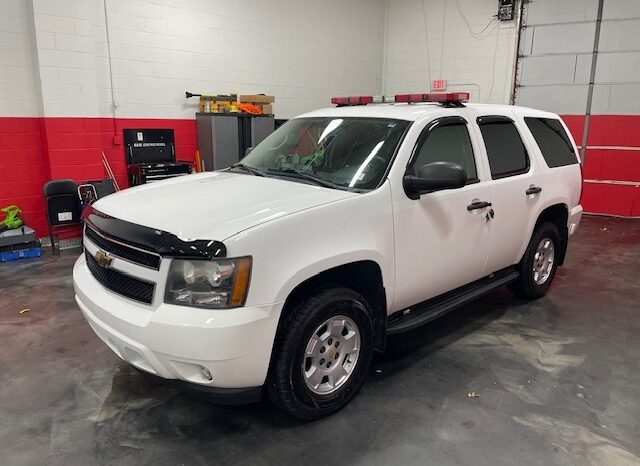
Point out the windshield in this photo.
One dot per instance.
(336, 152)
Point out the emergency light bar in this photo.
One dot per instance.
(445, 98)
(353, 100)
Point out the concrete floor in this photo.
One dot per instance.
(558, 379)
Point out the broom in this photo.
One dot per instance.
(110, 174)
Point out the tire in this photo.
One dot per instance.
(532, 285)
(302, 344)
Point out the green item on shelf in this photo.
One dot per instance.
(11, 219)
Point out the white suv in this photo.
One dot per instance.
(286, 272)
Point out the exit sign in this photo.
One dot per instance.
(439, 85)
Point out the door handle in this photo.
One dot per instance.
(533, 190)
(478, 205)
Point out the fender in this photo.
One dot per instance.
(328, 263)
(290, 250)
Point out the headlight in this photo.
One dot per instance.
(218, 284)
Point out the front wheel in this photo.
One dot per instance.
(539, 263)
(322, 354)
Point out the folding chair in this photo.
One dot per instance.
(63, 208)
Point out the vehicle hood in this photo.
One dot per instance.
(214, 205)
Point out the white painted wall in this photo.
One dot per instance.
(301, 51)
(19, 95)
(55, 56)
(66, 68)
(443, 39)
(617, 83)
(556, 47)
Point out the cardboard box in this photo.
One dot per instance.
(267, 109)
(256, 99)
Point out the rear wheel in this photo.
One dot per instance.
(322, 354)
(539, 263)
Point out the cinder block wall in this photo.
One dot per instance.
(59, 109)
(303, 52)
(23, 162)
(444, 39)
(73, 76)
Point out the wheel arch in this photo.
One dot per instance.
(363, 276)
(558, 214)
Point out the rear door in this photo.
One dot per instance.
(516, 187)
(562, 176)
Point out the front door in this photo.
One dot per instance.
(441, 241)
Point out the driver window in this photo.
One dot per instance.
(449, 143)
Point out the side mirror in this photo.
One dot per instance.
(434, 176)
(247, 151)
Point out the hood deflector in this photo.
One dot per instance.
(158, 241)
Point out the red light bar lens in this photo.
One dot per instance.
(365, 99)
(412, 98)
(352, 100)
(448, 97)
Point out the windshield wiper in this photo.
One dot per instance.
(305, 176)
(247, 168)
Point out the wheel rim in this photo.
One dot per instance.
(543, 261)
(330, 355)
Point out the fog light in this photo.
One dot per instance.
(204, 372)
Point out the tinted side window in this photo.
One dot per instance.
(553, 141)
(505, 149)
(449, 143)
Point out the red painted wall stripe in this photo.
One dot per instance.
(614, 130)
(575, 123)
(35, 150)
(611, 199)
(613, 159)
(23, 169)
(612, 164)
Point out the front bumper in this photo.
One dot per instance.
(174, 342)
(223, 396)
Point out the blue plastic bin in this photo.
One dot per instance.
(8, 256)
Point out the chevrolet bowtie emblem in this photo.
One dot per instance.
(103, 259)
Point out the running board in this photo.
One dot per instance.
(422, 313)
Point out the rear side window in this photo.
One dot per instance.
(505, 149)
(447, 143)
(553, 141)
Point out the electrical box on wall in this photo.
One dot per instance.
(506, 10)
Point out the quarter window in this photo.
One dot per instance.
(553, 141)
(447, 143)
(505, 149)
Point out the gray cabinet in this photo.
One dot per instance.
(223, 138)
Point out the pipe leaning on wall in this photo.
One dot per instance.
(592, 79)
(516, 59)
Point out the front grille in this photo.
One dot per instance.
(120, 283)
(124, 252)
